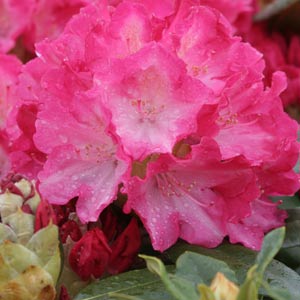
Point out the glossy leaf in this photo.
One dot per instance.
(240, 259)
(180, 289)
(202, 269)
(138, 283)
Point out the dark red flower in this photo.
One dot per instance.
(64, 295)
(90, 255)
(9, 183)
(62, 212)
(109, 223)
(26, 209)
(70, 228)
(125, 248)
(44, 215)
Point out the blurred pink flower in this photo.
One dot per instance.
(14, 17)
(279, 55)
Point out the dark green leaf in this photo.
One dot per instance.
(180, 288)
(201, 269)
(279, 294)
(137, 283)
(292, 237)
(288, 202)
(289, 254)
(240, 259)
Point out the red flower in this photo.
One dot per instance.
(64, 295)
(70, 228)
(125, 248)
(90, 255)
(109, 224)
(44, 215)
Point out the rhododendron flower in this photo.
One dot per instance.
(238, 13)
(124, 248)
(264, 217)
(90, 255)
(152, 101)
(17, 122)
(192, 198)
(93, 254)
(44, 215)
(14, 16)
(64, 295)
(31, 21)
(48, 20)
(10, 68)
(70, 228)
(168, 107)
(279, 55)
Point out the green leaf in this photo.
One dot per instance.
(288, 202)
(294, 214)
(249, 289)
(237, 257)
(278, 294)
(137, 283)
(292, 237)
(180, 288)
(240, 259)
(273, 8)
(289, 254)
(155, 265)
(271, 245)
(201, 268)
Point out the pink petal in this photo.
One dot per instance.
(250, 231)
(67, 175)
(152, 100)
(192, 198)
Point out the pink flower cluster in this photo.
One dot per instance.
(158, 100)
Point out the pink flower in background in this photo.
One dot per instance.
(49, 19)
(238, 13)
(279, 55)
(14, 17)
(33, 20)
(10, 67)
